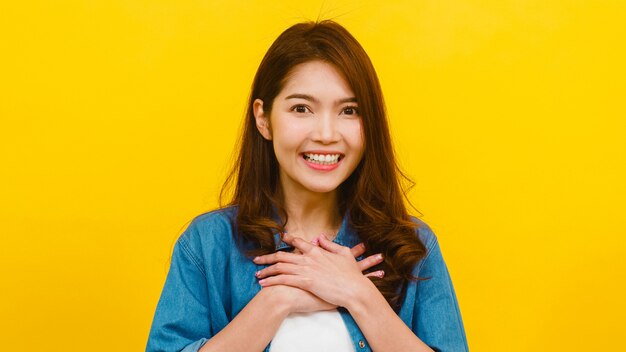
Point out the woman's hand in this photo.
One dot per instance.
(329, 271)
(297, 300)
(302, 301)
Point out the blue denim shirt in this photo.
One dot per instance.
(210, 281)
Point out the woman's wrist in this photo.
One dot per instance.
(364, 294)
(273, 298)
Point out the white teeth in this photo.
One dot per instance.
(323, 159)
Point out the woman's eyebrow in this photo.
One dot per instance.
(315, 100)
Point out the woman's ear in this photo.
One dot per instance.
(262, 120)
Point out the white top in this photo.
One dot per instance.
(322, 331)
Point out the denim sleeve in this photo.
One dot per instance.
(181, 321)
(437, 318)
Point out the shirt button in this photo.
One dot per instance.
(362, 344)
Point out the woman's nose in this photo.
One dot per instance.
(326, 129)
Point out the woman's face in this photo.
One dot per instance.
(315, 128)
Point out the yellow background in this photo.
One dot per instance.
(118, 120)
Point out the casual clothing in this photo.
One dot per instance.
(322, 331)
(211, 280)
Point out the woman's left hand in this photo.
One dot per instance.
(329, 270)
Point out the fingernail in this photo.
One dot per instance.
(379, 256)
(381, 274)
(255, 259)
(315, 241)
(257, 273)
(261, 282)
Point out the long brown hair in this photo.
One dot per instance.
(372, 196)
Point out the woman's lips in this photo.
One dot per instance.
(321, 165)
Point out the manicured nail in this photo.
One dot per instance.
(256, 259)
(379, 256)
(261, 282)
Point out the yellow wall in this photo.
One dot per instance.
(118, 118)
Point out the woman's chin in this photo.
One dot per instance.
(322, 188)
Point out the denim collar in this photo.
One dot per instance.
(346, 236)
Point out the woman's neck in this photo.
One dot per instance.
(311, 214)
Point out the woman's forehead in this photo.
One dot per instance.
(318, 80)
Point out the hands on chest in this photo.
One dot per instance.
(317, 275)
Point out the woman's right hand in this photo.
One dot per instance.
(298, 300)
(302, 301)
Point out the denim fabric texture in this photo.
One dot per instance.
(210, 281)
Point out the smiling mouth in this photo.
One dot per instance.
(322, 159)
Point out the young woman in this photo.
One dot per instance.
(316, 251)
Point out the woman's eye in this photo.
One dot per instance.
(301, 109)
(351, 110)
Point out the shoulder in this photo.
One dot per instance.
(428, 238)
(424, 233)
(215, 221)
(212, 229)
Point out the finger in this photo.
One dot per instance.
(379, 274)
(332, 246)
(289, 280)
(298, 242)
(277, 269)
(370, 261)
(279, 256)
(358, 249)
